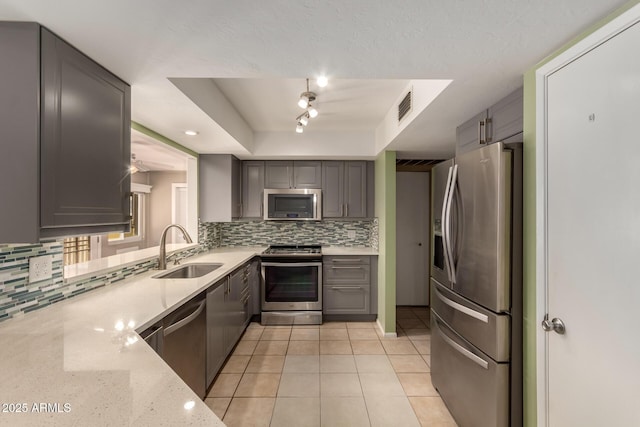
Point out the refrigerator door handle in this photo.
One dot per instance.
(461, 308)
(449, 246)
(463, 351)
(445, 224)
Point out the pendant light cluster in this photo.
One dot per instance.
(306, 98)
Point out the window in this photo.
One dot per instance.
(76, 249)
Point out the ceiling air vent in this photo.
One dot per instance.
(415, 165)
(405, 106)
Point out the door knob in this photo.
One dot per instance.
(556, 324)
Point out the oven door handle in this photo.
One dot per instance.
(292, 264)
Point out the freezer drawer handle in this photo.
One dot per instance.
(184, 322)
(461, 308)
(466, 353)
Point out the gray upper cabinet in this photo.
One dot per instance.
(252, 188)
(470, 134)
(332, 189)
(278, 174)
(497, 123)
(68, 166)
(293, 174)
(506, 117)
(219, 187)
(355, 189)
(344, 189)
(307, 174)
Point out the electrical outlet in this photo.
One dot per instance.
(351, 234)
(40, 268)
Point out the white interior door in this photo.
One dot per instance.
(412, 238)
(593, 236)
(179, 203)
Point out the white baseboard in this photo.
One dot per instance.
(385, 334)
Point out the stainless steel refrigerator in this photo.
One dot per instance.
(476, 286)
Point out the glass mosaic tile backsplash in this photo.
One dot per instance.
(18, 296)
(362, 233)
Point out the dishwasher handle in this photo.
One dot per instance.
(184, 322)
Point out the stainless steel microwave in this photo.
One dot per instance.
(293, 204)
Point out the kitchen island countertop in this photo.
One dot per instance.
(81, 362)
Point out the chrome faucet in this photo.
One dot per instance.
(162, 259)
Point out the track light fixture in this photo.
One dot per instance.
(306, 98)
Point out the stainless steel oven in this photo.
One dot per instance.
(292, 285)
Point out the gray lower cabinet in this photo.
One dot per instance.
(255, 279)
(347, 285)
(68, 166)
(239, 294)
(228, 314)
(217, 319)
(252, 188)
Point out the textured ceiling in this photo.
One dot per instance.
(484, 46)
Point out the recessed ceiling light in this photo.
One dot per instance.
(191, 132)
(322, 81)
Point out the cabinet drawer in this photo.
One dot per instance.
(333, 274)
(342, 260)
(346, 299)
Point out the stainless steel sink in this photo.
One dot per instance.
(189, 271)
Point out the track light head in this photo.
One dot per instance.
(299, 128)
(313, 113)
(303, 102)
(305, 99)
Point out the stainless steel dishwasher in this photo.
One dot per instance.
(184, 346)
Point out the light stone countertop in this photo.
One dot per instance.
(84, 352)
(343, 250)
(82, 270)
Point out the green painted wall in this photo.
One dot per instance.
(153, 134)
(530, 324)
(385, 211)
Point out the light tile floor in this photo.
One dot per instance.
(335, 374)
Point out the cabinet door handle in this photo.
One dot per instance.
(262, 204)
(481, 125)
(487, 137)
(347, 268)
(346, 288)
(351, 260)
(180, 324)
(346, 209)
